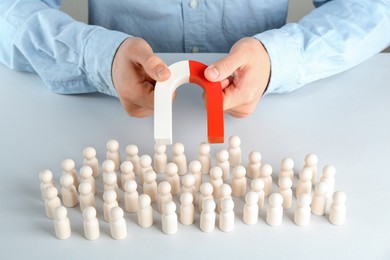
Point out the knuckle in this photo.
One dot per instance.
(138, 113)
(225, 67)
(152, 62)
(242, 112)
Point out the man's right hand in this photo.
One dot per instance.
(135, 70)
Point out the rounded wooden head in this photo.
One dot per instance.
(68, 165)
(164, 187)
(311, 159)
(116, 213)
(275, 200)
(109, 196)
(112, 145)
(206, 188)
(85, 188)
(178, 148)
(66, 180)
(195, 166)
(144, 200)
(89, 153)
(339, 197)
(127, 167)
(204, 148)
(305, 174)
(223, 155)
(254, 157)
(188, 180)
(89, 213)
(108, 166)
(234, 141)
(287, 164)
(265, 170)
(171, 169)
(60, 213)
(186, 198)
(132, 150)
(227, 204)
(130, 186)
(225, 190)
(285, 183)
(160, 148)
(150, 176)
(216, 172)
(145, 160)
(239, 171)
(86, 172)
(257, 184)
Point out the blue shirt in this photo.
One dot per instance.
(72, 57)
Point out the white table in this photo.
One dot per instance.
(343, 119)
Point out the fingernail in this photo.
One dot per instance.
(161, 73)
(213, 72)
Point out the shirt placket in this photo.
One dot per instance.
(194, 25)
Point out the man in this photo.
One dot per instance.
(115, 53)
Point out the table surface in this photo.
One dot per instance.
(343, 119)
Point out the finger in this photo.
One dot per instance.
(223, 68)
(231, 97)
(226, 82)
(154, 66)
(135, 110)
(145, 97)
(142, 112)
(174, 96)
(242, 111)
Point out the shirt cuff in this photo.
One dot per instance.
(99, 52)
(285, 58)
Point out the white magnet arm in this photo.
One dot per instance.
(180, 74)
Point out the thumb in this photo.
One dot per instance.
(223, 68)
(155, 67)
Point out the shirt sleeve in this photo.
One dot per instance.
(70, 57)
(336, 36)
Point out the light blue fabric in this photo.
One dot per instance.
(72, 57)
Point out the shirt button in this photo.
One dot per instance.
(195, 50)
(193, 4)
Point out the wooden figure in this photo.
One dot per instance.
(254, 164)
(68, 191)
(91, 223)
(132, 156)
(117, 224)
(113, 154)
(234, 151)
(179, 158)
(61, 223)
(173, 178)
(89, 154)
(207, 216)
(239, 181)
(187, 209)
(251, 208)
(222, 159)
(164, 194)
(127, 170)
(275, 210)
(302, 210)
(160, 158)
(204, 157)
(338, 210)
(131, 196)
(169, 218)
